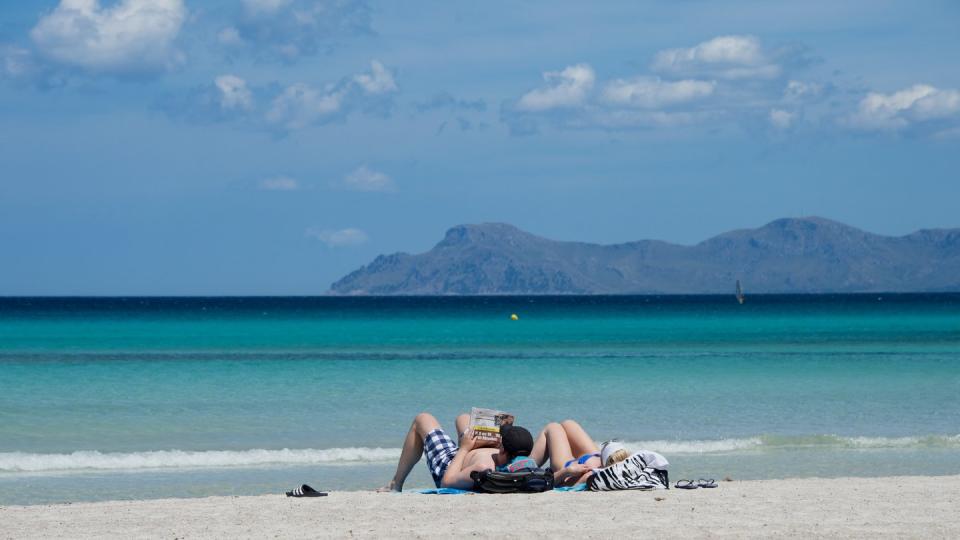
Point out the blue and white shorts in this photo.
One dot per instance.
(440, 450)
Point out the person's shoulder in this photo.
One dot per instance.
(481, 462)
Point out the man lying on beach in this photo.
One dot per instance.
(451, 465)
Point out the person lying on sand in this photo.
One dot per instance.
(573, 454)
(451, 465)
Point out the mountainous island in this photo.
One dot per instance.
(803, 255)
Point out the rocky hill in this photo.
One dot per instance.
(806, 255)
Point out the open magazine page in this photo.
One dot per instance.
(486, 425)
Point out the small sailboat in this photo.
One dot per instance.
(739, 292)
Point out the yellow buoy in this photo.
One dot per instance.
(513, 317)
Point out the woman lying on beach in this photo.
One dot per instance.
(572, 452)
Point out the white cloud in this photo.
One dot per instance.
(567, 88)
(936, 104)
(365, 179)
(300, 105)
(256, 7)
(919, 103)
(132, 36)
(631, 119)
(653, 93)
(279, 183)
(17, 61)
(229, 36)
(338, 238)
(378, 81)
(287, 30)
(728, 57)
(234, 93)
(798, 90)
(948, 134)
(781, 119)
(660, 102)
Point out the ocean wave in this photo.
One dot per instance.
(927, 441)
(25, 462)
(181, 459)
(788, 442)
(697, 446)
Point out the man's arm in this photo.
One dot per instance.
(457, 476)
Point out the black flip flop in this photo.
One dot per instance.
(708, 483)
(306, 491)
(686, 484)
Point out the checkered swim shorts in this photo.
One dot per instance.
(440, 450)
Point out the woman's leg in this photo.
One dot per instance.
(412, 449)
(539, 452)
(580, 442)
(557, 445)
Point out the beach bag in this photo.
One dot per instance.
(643, 470)
(527, 481)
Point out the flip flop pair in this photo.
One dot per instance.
(705, 483)
(306, 491)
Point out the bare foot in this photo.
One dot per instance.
(391, 487)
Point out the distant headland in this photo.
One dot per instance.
(793, 255)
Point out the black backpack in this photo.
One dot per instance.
(526, 481)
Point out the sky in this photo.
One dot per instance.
(269, 147)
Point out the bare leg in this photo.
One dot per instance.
(539, 452)
(553, 440)
(580, 442)
(557, 445)
(412, 449)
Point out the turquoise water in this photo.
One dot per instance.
(139, 398)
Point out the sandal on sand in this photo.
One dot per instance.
(708, 483)
(306, 491)
(686, 484)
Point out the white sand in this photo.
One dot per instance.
(917, 507)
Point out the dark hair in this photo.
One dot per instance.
(516, 440)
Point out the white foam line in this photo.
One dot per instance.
(24, 462)
(175, 459)
(697, 446)
(784, 442)
(902, 442)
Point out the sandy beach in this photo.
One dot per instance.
(846, 507)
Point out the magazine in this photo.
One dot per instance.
(486, 425)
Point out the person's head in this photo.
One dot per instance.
(514, 441)
(613, 452)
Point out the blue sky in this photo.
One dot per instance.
(185, 147)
